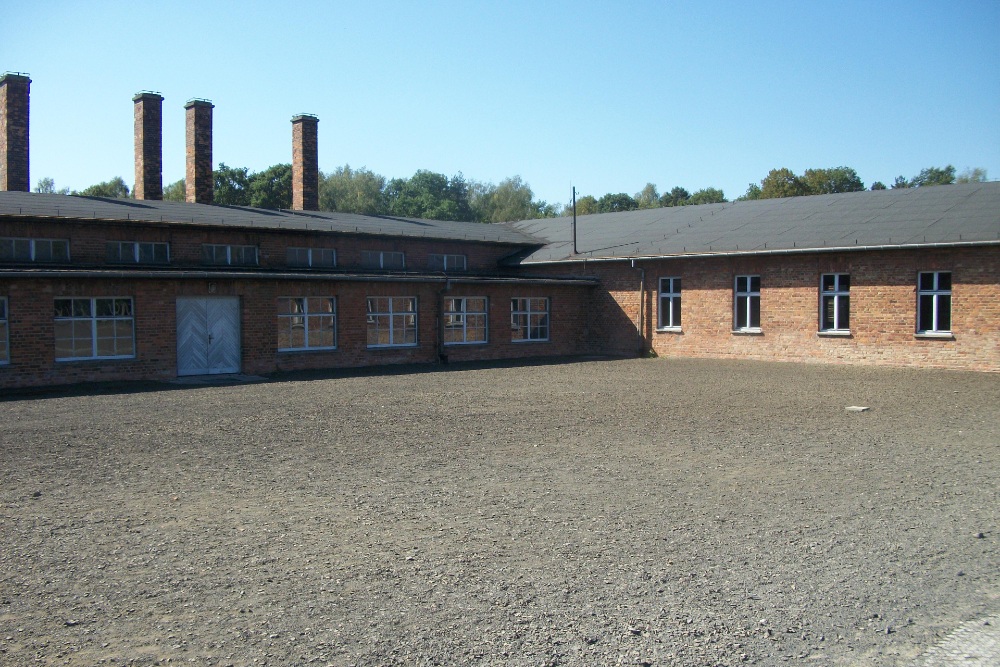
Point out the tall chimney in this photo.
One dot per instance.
(305, 163)
(14, 88)
(148, 109)
(199, 187)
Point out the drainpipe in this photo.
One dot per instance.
(642, 303)
(442, 356)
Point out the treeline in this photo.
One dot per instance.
(785, 183)
(648, 197)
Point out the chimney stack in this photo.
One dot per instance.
(199, 186)
(148, 107)
(305, 163)
(14, 88)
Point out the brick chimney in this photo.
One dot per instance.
(14, 89)
(305, 163)
(148, 109)
(199, 186)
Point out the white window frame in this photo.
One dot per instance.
(743, 304)
(230, 252)
(940, 300)
(4, 332)
(33, 246)
(395, 318)
(297, 314)
(92, 319)
(456, 319)
(313, 258)
(839, 297)
(368, 259)
(670, 294)
(133, 249)
(523, 312)
(443, 262)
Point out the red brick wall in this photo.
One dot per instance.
(883, 307)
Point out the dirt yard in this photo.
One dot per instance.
(653, 512)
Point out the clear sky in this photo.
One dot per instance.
(604, 96)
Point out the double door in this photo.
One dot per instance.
(208, 335)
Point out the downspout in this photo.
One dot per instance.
(442, 356)
(642, 304)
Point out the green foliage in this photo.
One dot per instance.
(586, 205)
(353, 191)
(678, 196)
(782, 183)
(115, 189)
(900, 183)
(232, 185)
(933, 176)
(830, 181)
(648, 197)
(272, 188)
(47, 186)
(977, 175)
(616, 203)
(878, 185)
(511, 200)
(707, 196)
(175, 191)
(429, 195)
(752, 193)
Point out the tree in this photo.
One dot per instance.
(616, 203)
(878, 185)
(782, 183)
(115, 189)
(232, 185)
(353, 191)
(677, 196)
(707, 196)
(586, 205)
(830, 181)
(511, 200)
(47, 186)
(272, 188)
(900, 183)
(977, 175)
(648, 197)
(429, 195)
(933, 176)
(175, 191)
(752, 193)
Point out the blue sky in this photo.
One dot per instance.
(604, 96)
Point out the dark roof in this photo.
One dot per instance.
(948, 214)
(35, 205)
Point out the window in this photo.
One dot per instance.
(747, 304)
(670, 303)
(437, 262)
(138, 252)
(835, 302)
(377, 259)
(934, 302)
(34, 250)
(316, 258)
(94, 328)
(529, 319)
(464, 320)
(229, 255)
(307, 323)
(392, 321)
(4, 338)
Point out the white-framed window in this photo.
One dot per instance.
(392, 321)
(94, 328)
(4, 333)
(670, 303)
(307, 323)
(34, 250)
(382, 259)
(835, 302)
(746, 304)
(439, 262)
(529, 319)
(465, 320)
(313, 258)
(934, 302)
(229, 255)
(138, 252)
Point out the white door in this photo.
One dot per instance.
(208, 336)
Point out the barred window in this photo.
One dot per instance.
(94, 328)
(529, 319)
(307, 323)
(464, 320)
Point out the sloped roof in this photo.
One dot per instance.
(35, 205)
(949, 214)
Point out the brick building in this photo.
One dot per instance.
(104, 289)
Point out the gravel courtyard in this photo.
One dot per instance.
(634, 512)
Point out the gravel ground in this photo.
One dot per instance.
(657, 512)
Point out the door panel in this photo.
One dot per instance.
(208, 336)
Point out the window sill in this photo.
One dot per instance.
(403, 346)
(297, 350)
(750, 331)
(471, 342)
(834, 333)
(939, 335)
(673, 330)
(530, 340)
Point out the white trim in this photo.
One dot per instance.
(749, 331)
(669, 330)
(834, 333)
(940, 335)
